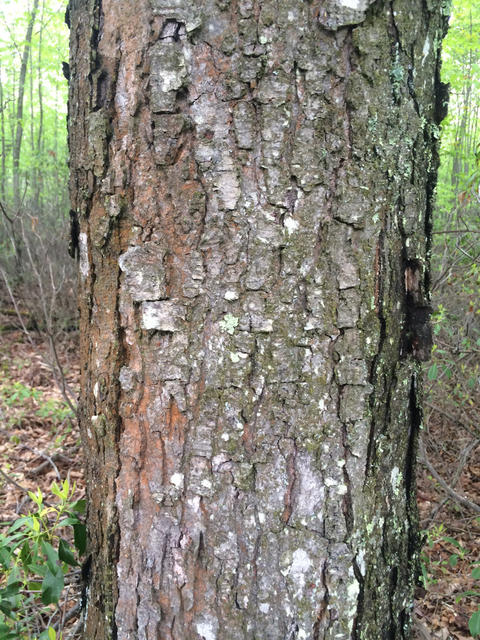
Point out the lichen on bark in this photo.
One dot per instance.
(253, 182)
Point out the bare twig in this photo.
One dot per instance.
(72, 613)
(13, 482)
(461, 423)
(41, 467)
(446, 487)
(7, 478)
(76, 629)
(464, 455)
(48, 459)
(15, 306)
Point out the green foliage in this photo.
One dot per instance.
(461, 70)
(34, 216)
(44, 115)
(55, 410)
(22, 400)
(35, 557)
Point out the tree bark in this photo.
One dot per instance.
(253, 182)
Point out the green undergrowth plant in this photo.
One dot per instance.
(474, 621)
(40, 559)
(430, 568)
(21, 401)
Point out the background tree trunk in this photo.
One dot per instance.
(253, 182)
(17, 145)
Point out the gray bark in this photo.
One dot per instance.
(253, 182)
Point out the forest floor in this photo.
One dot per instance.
(39, 444)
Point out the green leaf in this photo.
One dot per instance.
(19, 523)
(11, 590)
(476, 573)
(453, 560)
(65, 522)
(38, 569)
(6, 633)
(35, 524)
(52, 586)
(474, 623)
(52, 556)
(432, 372)
(5, 557)
(65, 554)
(79, 506)
(80, 537)
(34, 586)
(52, 635)
(25, 554)
(6, 608)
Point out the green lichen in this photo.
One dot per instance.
(397, 74)
(229, 324)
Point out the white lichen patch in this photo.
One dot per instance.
(231, 295)
(235, 357)
(84, 264)
(426, 50)
(361, 562)
(126, 378)
(177, 480)
(207, 628)
(228, 189)
(298, 569)
(359, 5)
(168, 74)
(162, 316)
(194, 503)
(395, 479)
(339, 13)
(144, 272)
(290, 224)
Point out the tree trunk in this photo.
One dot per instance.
(253, 182)
(17, 145)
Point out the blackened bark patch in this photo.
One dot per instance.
(393, 587)
(441, 99)
(74, 235)
(67, 15)
(66, 70)
(85, 576)
(411, 454)
(417, 332)
(102, 90)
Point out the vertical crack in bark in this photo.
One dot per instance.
(292, 476)
(347, 51)
(375, 370)
(415, 411)
(323, 609)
